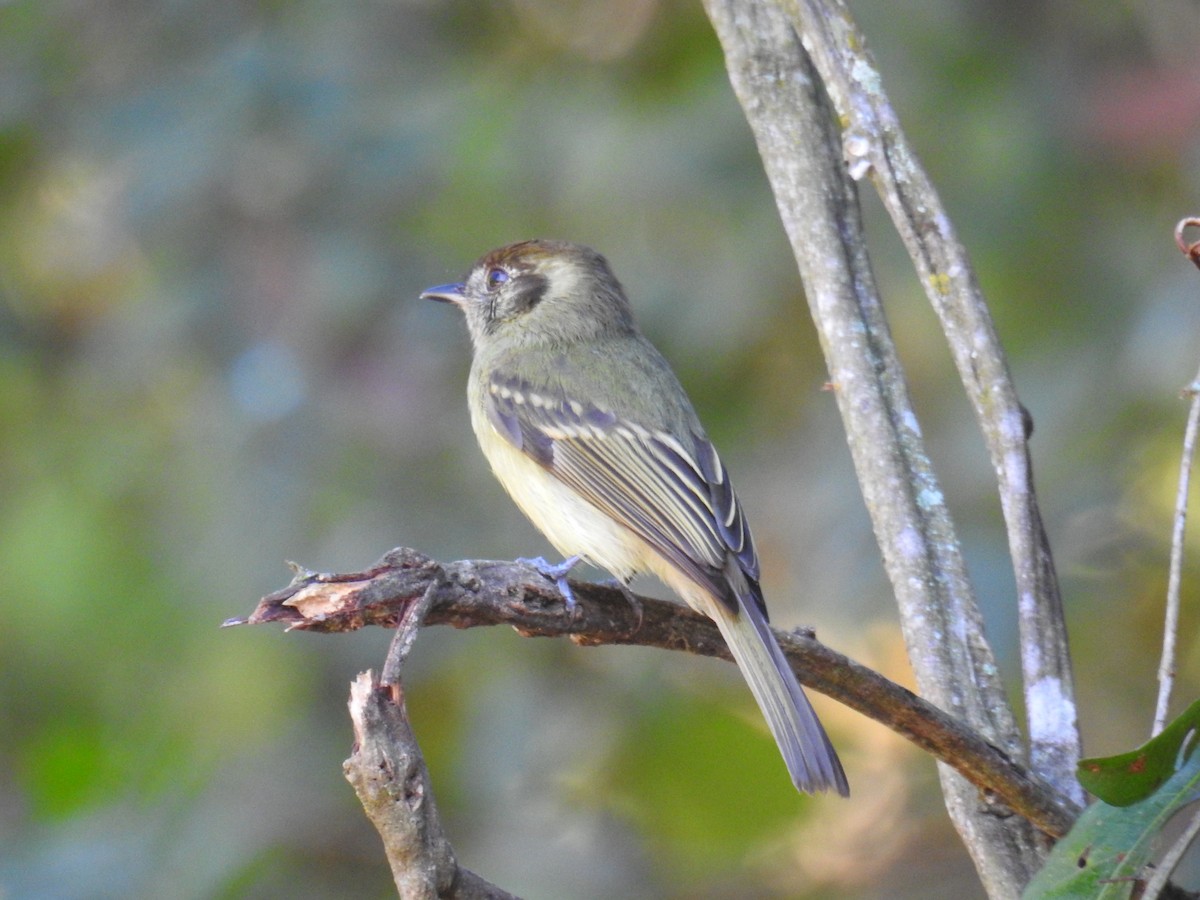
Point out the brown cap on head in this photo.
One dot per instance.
(539, 292)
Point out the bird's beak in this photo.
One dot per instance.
(446, 293)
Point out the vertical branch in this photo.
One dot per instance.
(392, 784)
(793, 124)
(875, 142)
(389, 775)
(1157, 885)
(1166, 666)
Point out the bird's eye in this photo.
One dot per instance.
(495, 278)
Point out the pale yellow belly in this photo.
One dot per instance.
(572, 524)
(567, 520)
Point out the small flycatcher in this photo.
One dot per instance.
(589, 431)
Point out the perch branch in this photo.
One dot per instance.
(468, 594)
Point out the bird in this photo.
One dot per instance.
(588, 429)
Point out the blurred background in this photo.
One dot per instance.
(215, 219)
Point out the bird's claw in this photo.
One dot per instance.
(631, 598)
(558, 574)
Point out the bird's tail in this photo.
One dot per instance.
(810, 757)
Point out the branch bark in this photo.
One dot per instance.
(469, 594)
(1166, 666)
(388, 773)
(780, 91)
(875, 142)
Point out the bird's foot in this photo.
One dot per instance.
(558, 574)
(634, 603)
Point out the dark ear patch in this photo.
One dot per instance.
(527, 291)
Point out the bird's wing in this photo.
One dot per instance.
(676, 497)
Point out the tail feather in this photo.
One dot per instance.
(810, 757)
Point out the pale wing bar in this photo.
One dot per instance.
(682, 506)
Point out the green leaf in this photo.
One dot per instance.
(1129, 777)
(1103, 856)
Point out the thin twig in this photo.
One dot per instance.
(1190, 249)
(1166, 666)
(406, 633)
(1157, 882)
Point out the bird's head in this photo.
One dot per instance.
(539, 293)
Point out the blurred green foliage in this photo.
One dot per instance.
(214, 221)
